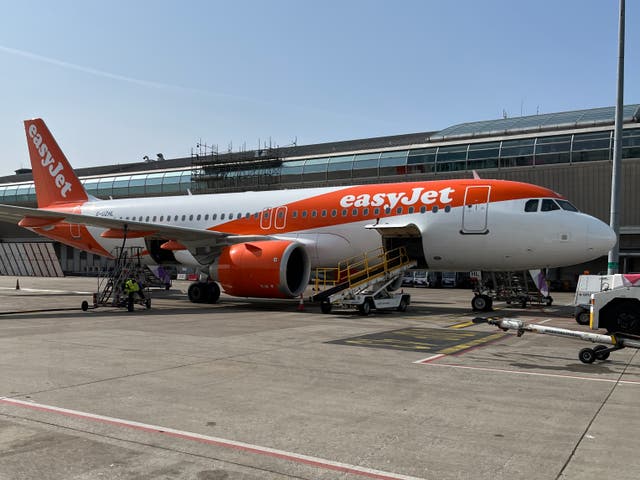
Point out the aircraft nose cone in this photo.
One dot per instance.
(600, 237)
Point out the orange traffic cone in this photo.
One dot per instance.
(17, 284)
(301, 304)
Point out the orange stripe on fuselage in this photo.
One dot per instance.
(440, 193)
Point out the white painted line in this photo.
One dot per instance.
(217, 441)
(537, 374)
(431, 358)
(545, 321)
(41, 290)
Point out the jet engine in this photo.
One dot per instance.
(267, 269)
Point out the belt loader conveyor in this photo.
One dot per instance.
(617, 341)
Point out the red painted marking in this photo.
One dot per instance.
(240, 446)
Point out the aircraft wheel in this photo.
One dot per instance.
(213, 292)
(197, 292)
(84, 306)
(130, 305)
(325, 306)
(582, 317)
(587, 355)
(365, 308)
(600, 355)
(481, 303)
(548, 301)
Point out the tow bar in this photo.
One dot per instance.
(587, 355)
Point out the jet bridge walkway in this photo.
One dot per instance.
(367, 272)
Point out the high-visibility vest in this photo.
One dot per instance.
(131, 286)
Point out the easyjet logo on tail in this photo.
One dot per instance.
(55, 168)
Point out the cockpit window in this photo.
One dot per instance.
(531, 206)
(548, 205)
(565, 205)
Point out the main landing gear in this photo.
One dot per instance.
(204, 292)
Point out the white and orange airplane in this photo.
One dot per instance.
(264, 244)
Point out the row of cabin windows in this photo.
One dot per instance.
(303, 214)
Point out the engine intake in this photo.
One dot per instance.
(266, 269)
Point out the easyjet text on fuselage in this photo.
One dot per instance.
(391, 199)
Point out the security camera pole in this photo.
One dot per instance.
(614, 222)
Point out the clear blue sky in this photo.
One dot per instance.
(117, 80)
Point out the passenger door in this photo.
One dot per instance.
(475, 210)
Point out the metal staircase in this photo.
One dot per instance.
(364, 272)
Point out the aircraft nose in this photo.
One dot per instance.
(600, 237)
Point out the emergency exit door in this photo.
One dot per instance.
(475, 210)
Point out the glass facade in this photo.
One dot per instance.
(541, 150)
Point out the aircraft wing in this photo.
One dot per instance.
(192, 237)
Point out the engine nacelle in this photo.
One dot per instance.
(266, 269)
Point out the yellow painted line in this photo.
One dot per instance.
(470, 344)
(462, 325)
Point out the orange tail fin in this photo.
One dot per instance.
(54, 179)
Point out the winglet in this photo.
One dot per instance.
(54, 179)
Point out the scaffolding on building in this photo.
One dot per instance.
(234, 171)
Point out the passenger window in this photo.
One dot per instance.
(354, 212)
(434, 209)
(222, 216)
(548, 205)
(531, 206)
(411, 210)
(423, 209)
(344, 212)
(399, 210)
(231, 216)
(198, 217)
(314, 213)
(154, 218)
(304, 214)
(447, 209)
(184, 217)
(214, 216)
(334, 213)
(376, 212)
(294, 214)
(190, 218)
(365, 212)
(161, 218)
(239, 215)
(281, 214)
(146, 219)
(206, 217)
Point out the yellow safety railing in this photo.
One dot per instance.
(357, 270)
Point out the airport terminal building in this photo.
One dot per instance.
(569, 152)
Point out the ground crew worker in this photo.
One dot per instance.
(131, 287)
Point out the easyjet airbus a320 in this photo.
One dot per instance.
(264, 244)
